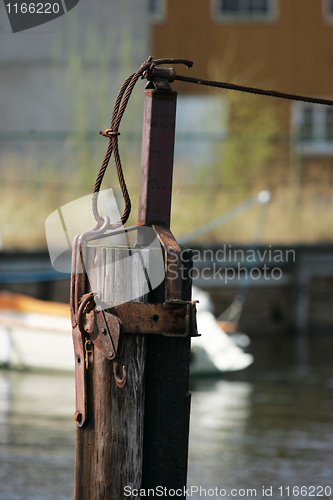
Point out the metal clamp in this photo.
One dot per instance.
(102, 330)
(108, 132)
(159, 78)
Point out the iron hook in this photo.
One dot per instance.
(119, 381)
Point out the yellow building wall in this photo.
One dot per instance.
(293, 53)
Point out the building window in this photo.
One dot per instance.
(328, 10)
(156, 9)
(313, 128)
(329, 124)
(201, 124)
(244, 10)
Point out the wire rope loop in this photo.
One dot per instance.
(112, 133)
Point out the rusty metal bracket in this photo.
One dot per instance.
(172, 263)
(101, 326)
(101, 329)
(159, 78)
(107, 337)
(105, 322)
(171, 319)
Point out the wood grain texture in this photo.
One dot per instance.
(109, 446)
(167, 402)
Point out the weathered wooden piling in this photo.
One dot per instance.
(137, 435)
(109, 446)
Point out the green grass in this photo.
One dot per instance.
(294, 215)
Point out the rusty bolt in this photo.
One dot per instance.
(78, 416)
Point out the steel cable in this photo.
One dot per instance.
(117, 114)
(120, 107)
(254, 90)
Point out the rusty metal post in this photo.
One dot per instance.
(157, 157)
(167, 400)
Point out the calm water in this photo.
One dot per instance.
(244, 435)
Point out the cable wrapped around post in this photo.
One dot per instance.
(112, 133)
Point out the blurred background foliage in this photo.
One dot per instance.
(46, 170)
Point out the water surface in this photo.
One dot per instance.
(271, 432)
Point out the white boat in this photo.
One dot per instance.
(35, 334)
(215, 351)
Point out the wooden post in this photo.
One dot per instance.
(137, 435)
(109, 446)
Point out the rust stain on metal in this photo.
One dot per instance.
(168, 318)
